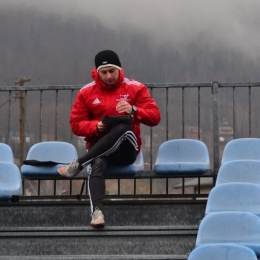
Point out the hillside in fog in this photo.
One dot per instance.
(53, 48)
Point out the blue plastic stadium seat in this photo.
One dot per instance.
(242, 228)
(241, 149)
(182, 156)
(60, 152)
(243, 197)
(121, 170)
(239, 171)
(10, 181)
(6, 153)
(222, 252)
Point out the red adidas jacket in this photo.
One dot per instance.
(97, 99)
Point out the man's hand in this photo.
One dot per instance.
(123, 106)
(102, 127)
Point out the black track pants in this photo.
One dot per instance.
(119, 146)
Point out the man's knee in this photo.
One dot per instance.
(98, 166)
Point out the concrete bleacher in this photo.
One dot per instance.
(134, 230)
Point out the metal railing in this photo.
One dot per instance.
(212, 112)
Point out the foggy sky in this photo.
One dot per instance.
(233, 24)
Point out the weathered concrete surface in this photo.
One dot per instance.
(39, 214)
(134, 230)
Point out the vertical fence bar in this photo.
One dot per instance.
(183, 185)
(199, 113)
(118, 186)
(56, 115)
(22, 123)
(182, 110)
(9, 118)
(54, 187)
(71, 103)
(215, 88)
(198, 185)
(151, 141)
(167, 114)
(40, 130)
(234, 113)
(250, 111)
(25, 124)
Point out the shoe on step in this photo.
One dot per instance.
(98, 219)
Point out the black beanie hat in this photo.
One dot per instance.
(107, 58)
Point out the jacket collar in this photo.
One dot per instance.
(102, 85)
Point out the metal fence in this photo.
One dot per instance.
(212, 112)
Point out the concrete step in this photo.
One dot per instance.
(97, 257)
(98, 230)
(134, 230)
(117, 213)
(128, 240)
